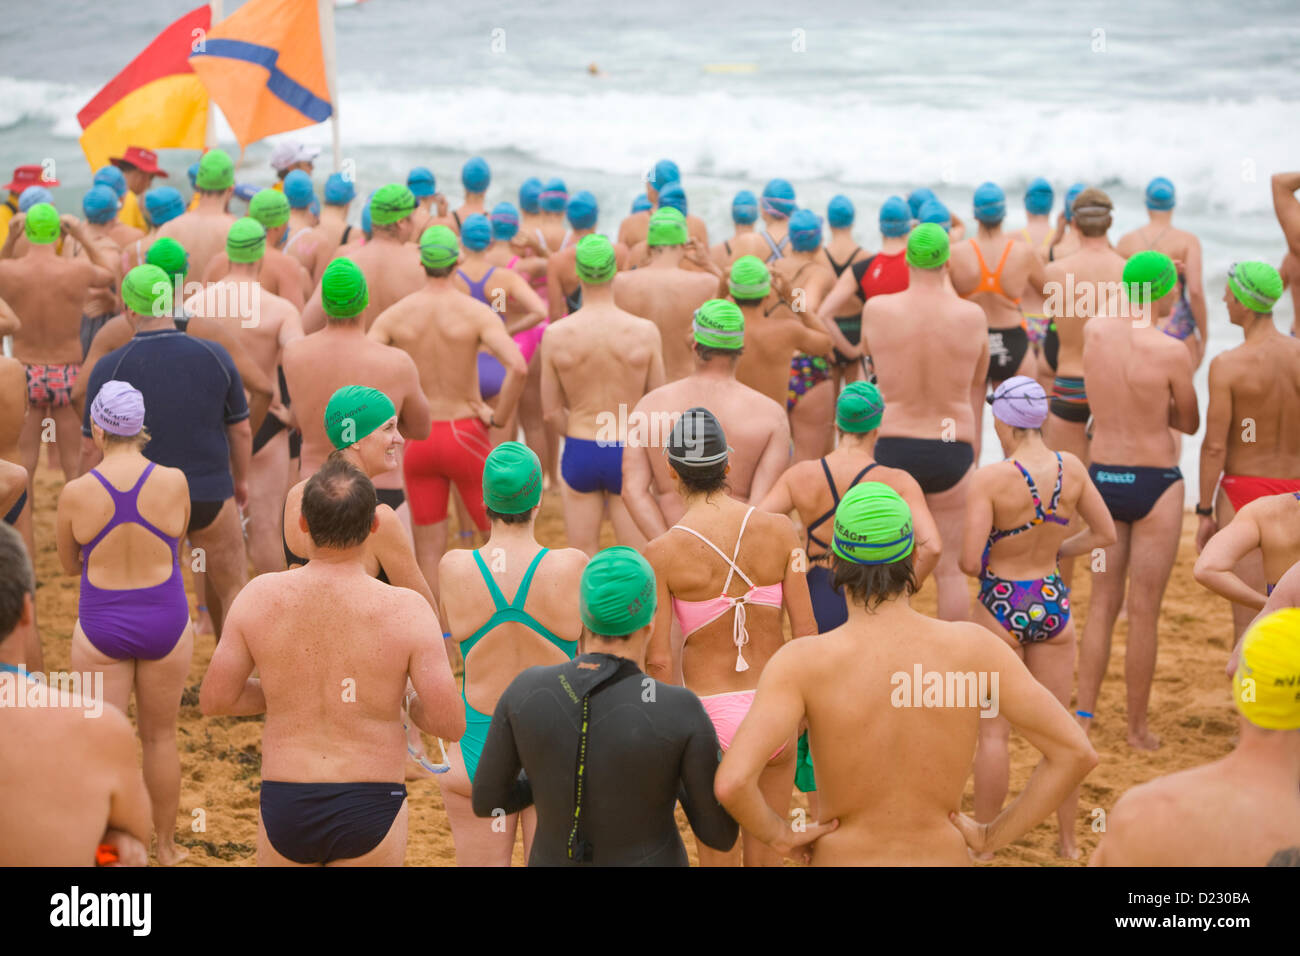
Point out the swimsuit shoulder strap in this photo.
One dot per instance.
(455, 214)
(831, 259)
(1033, 491)
(726, 244)
(498, 599)
(735, 569)
(722, 554)
(521, 596)
(830, 482)
(1002, 262)
(1056, 492)
(863, 473)
(984, 269)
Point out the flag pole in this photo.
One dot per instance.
(326, 13)
(216, 7)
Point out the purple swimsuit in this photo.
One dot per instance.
(141, 623)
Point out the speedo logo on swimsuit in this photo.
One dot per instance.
(922, 688)
(1116, 477)
(74, 908)
(66, 690)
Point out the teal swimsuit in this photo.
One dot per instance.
(476, 723)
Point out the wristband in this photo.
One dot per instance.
(1084, 713)
(1205, 512)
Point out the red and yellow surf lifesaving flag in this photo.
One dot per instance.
(265, 67)
(156, 102)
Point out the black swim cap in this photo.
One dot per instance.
(697, 441)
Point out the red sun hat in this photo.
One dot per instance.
(145, 160)
(25, 176)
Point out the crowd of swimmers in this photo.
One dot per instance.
(783, 431)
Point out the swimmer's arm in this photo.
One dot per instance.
(253, 379)
(498, 783)
(69, 550)
(554, 294)
(228, 687)
(841, 296)
(779, 500)
(1214, 444)
(712, 824)
(1039, 717)
(925, 530)
(811, 338)
(1214, 567)
(1101, 526)
(794, 587)
(11, 238)
(655, 375)
(291, 284)
(978, 383)
(773, 719)
(240, 438)
(313, 315)
(638, 495)
(979, 522)
(1285, 205)
(1037, 279)
(436, 709)
(129, 809)
(493, 335)
(103, 343)
(1192, 272)
(13, 481)
(9, 321)
(659, 650)
(391, 544)
(525, 296)
(103, 273)
(554, 411)
(774, 460)
(380, 329)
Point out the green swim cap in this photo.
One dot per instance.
(667, 228)
(246, 240)
(512, 479)
(343, 292)
(270, 207)
(42, 224)
(927, 246)
(216, 171)
(719, 324)
(390, 204)
(1148, 276)
(147, 291)
(594, 259)
(1256, 285)
(169, 256)
(873, 525)
(439, 247)
(750, 278)
(860, 408)
(617, 593)
(355, 411)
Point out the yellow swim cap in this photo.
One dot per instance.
(1266, 687)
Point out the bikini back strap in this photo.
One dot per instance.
(722, 554)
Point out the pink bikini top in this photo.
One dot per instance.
(693, 615)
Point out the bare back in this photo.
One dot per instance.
(1087, 280)
(47, 293)
(202, 233)
(1263, 377)
(668, 297)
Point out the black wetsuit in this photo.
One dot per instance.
(647, 746)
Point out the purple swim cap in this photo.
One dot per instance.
(1019, 402)
(118, 409)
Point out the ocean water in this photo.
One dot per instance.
(838, 98)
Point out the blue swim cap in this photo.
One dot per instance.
(100, 204)
(475, 175)
(1160, 194)
(366, 226)
(936, 212)
(298, 189)
(665, 172)
(420, 182)
(505, 221)
(778, 198)
(554, 195)
(641, 203)
(582, 210)
(895, 217)
(744, 207)
(476, 232)
(840, 212)
(339, 190)
(529, 192)
(30, 196)
(918, 198)
(162, 204)
(805, 230)
(1039, 197)
(990, 203)
(674, 197)
(1070, 196)
(193, 174)
(112, 177)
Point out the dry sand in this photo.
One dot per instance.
(1191, 711)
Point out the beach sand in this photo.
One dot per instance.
(1191, 711)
